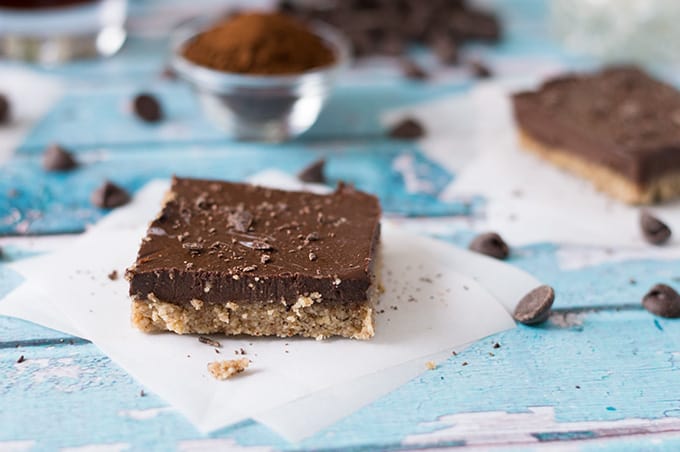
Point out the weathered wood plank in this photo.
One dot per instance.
(584, 373)
(60, 202)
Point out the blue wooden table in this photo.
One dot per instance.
(602, 373)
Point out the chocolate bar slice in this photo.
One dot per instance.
(619, 127)
(241, 259)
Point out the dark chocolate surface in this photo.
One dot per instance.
(620, 118)
(220, 241)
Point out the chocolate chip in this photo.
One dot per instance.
(147, 108)
(5, 110)
(314, 172)
(56, 158)
(480, 70)
(21, 359)
(662, 300)
(240, 220)
(113, 275)
(535, 306)
(654, 230)
(109, 195)
(445, 48)
(412, 70)
(490, 244)
(408, 129)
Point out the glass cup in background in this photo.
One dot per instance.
(55, 31)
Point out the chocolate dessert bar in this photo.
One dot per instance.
(620, 128)
(241, 259)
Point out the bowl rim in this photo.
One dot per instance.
(212, 78)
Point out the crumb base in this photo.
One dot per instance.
(605, 179)
(307, 317)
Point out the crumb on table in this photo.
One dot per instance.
(227, 368)
(431, 365)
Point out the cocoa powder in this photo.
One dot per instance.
(259, 43)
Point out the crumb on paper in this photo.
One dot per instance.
(227, 368)
(430, 365)
(113, 276)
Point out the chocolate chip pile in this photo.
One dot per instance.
(388, 27)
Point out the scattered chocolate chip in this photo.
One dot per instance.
(314, 172)
(535, 306)
(465, 363)
(109, 195)
(412, 70)
(662, 300)
(209, 341)
(480, 70)
(21, 359)
(113, 275)
(654, 230)
(5, 110)
(496, 345)
(240, 220)
(56, 158)
(408, 129)
(312, 256)
(490, 244)
(445, 48)
(142, 393)
(147, 108)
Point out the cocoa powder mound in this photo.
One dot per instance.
(260, 44)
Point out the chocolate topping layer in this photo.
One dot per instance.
(620, 118)
(220, 242)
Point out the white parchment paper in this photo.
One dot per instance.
(434, 303)
(527, 200)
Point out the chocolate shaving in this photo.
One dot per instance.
(257, 245)
(208, 341)
(241, 220)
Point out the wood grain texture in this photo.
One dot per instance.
(601, 374)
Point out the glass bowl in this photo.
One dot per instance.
(260, 107)
(56, 31)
